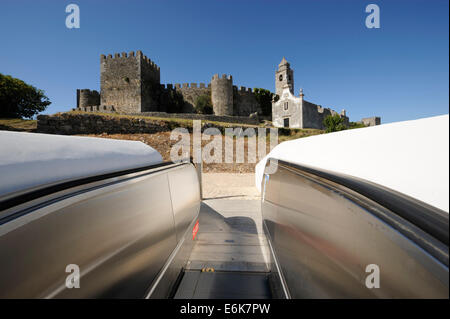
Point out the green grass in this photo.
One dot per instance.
(353, 125)
(286, 134)
(18, 125)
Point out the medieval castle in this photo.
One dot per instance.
(130, 84)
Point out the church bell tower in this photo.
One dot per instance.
(284, 76)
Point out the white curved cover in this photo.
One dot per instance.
(30, 159)
(411, 157)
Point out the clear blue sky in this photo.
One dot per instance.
(398, 72)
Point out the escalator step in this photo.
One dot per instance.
(223, 285)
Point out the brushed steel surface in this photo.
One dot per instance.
(324, 240)
(120, 236)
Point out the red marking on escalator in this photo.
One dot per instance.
(195, 230)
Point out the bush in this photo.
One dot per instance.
(334, 123)
(19, 99)
(264, 98)
(203, 104)
(352, 125)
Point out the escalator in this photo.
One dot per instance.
(142, 231)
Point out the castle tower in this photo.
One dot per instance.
(284, 76)
(126, 81)
(87, 97)
(222, 94)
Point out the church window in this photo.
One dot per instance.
(286, 106)
(281, 77)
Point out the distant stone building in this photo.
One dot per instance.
(130, 84)
(371, 121)
(294, 111)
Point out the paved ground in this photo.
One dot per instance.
(229, 186)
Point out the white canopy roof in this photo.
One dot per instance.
(411, 157)
(29, 159)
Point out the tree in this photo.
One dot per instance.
(264, 98)
(19, 99)
(203, 104)
(334, 123)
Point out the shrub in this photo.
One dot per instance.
(334, 123)
(203, 104)
(264, 98)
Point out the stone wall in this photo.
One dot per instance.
(68, 124)
(87, 123)
(207, 117)
(245, 102)
(190, 93)
(190, 116)
(313, 115)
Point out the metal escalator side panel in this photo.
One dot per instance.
(324, 239)
(270, 188)
(119, 235)
(185, 195)
(185, 200)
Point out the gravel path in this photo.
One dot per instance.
(229, 186)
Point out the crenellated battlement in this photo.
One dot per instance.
(131, 55)
(88, 91)
(243, 90)
(187, 86)
(224, 77)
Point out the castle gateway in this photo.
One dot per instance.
(294, 111)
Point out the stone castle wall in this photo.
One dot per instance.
(313, 115)
(245, 102)
(190, 93)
